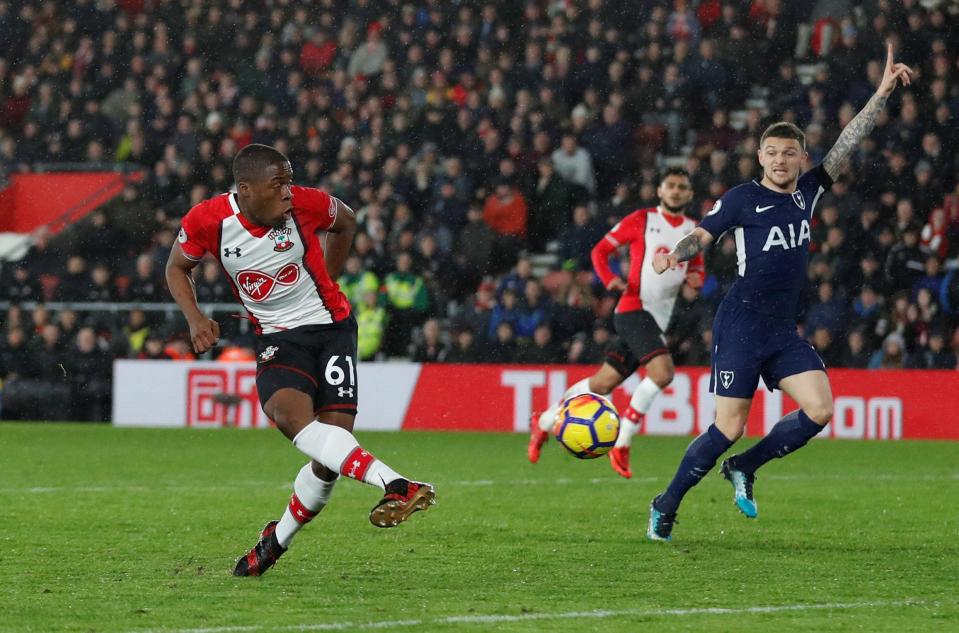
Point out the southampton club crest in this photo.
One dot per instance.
(268, 354)
(281, 239)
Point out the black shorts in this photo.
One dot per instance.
(638, 340)
(319, 360)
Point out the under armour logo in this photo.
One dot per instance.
(232, 251)
(353, 467)
(344, 391)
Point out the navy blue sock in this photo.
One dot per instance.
(789, 434)
(701, 455)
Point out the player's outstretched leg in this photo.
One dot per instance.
(337, 449)
(629, 424)
(537, 437)
(541, 424)
(402, 499)
(310, 496)
(700, 457)
(660, 527)
(263, 555)
(789, 434)
(742, 488)
(660, 373)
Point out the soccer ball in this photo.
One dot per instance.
(587, 425)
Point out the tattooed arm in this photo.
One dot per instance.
(860, 127)
(685, 249)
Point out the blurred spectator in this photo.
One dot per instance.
(464, 348)
(827, 312)
(505, 211)
(210, 284)
(936, 355)
(574, 164)
(145, 285)
(822, 340)
(355, 282)
(431, 349)
(19, 284)
(904, 265)
(502, 347)
(75, 284)
(684, 333)
(90, 372)
(476, 244)
(407, 304)
(540, 349)
(136, 330)
(549, 205)
(891, 355)
(855, 354)
(577, 242)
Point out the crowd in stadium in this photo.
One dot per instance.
(468, 137)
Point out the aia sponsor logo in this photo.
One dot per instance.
(258, 285)
(281, 239)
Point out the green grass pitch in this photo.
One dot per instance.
(109, 529)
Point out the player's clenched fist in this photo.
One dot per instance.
(204, 333)
(662, 261)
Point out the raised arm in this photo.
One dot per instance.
(863, 123)
(685, 249)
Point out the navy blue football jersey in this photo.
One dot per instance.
(772, 232)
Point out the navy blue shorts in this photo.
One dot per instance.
(747, 345)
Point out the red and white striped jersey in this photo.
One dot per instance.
(647, 232)
(278, 273)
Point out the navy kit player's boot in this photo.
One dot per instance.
(743, 486)
(263, 555)
(402, 499)
(660, 526)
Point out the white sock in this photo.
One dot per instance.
(310, 495)
(643, 396)
(338, 450)
(639, 404)
(627, 429)
(548, 417)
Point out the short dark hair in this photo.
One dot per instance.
(784, 129)
(674, 171)
(249, 163)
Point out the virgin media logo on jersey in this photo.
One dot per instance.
(258, 286)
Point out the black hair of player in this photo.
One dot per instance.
(674, 171)
(250, 163)
(784, 129)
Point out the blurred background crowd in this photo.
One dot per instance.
(486, 147)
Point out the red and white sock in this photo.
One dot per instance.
(310, 495)
(632, 418)
(338, 450)
(548, 417)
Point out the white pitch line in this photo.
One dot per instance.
(558, 481)
(529, 617)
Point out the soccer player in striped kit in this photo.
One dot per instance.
(642, 312)
(265, 239)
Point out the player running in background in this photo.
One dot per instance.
(642, 313)
(265, 238)
(754, 332)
